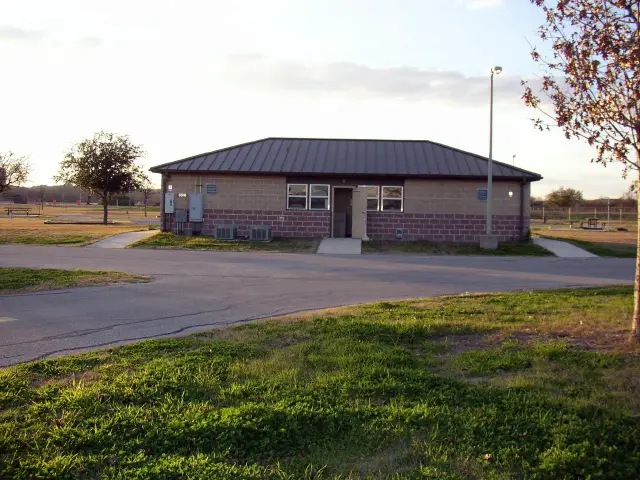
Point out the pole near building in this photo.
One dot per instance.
(489, 241)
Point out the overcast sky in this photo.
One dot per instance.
(186, 77)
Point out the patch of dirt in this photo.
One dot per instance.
(464, 342)
(86, 377)
(599, 341)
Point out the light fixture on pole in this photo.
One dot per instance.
(490, 242)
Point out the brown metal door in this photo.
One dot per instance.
(359, 213)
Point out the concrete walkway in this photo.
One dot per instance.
(562, 249)
(123, 240)
(340, 246)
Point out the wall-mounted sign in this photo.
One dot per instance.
(182, 195)
(211, 188)
(482, 194)
(169, 187)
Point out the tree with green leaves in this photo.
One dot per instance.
(591, 80)
(14, 171)
(104, 165)
(564, 197)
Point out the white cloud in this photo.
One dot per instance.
(267, 74)
(16, 34)
(479, 4)
(8, 32)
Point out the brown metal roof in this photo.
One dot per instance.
(307, 156)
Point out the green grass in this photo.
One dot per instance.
(13, 280)
(523, 385)
(435, 248)
(170, 240)
(617, 250)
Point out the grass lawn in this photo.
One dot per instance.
(170, 240)
(604, 244)
(35, 231)
(521, 385)
(435, 248)
(14, 280)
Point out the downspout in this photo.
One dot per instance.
(522, 185)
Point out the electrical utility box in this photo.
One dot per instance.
(169, 203)
(195, 207)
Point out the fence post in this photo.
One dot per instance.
(569, 216)
(620, 216)
(544, 220)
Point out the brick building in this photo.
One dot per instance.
(379, 189)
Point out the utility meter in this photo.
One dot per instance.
(169, 203)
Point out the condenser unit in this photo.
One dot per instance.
(226, 232)
(259, 233)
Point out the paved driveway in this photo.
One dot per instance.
(195, 290)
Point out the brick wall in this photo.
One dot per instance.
(441, 227)
(438, 210)
(283, 223)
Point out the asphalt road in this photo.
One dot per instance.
(197, 290)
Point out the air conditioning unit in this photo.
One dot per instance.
(259, 233)
(226, 232)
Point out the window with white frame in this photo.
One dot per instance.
(319, 197)
(373, 198)
(297, 196)
(392, 199)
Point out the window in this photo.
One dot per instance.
(392, 199)
(319, 197)
(296, 196)
(373, 198)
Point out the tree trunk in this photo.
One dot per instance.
(105, 205)
(635, 324)
(145, 207)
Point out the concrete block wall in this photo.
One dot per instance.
(460, 197)
(441, 227)
(283, 223)
(437, 210)
(234, 192)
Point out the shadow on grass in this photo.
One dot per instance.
(375, 391)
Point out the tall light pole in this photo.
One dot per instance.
(494, 71)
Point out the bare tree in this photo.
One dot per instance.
(146, 190)
(14, 171)
(42, 189)
(596, 55)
